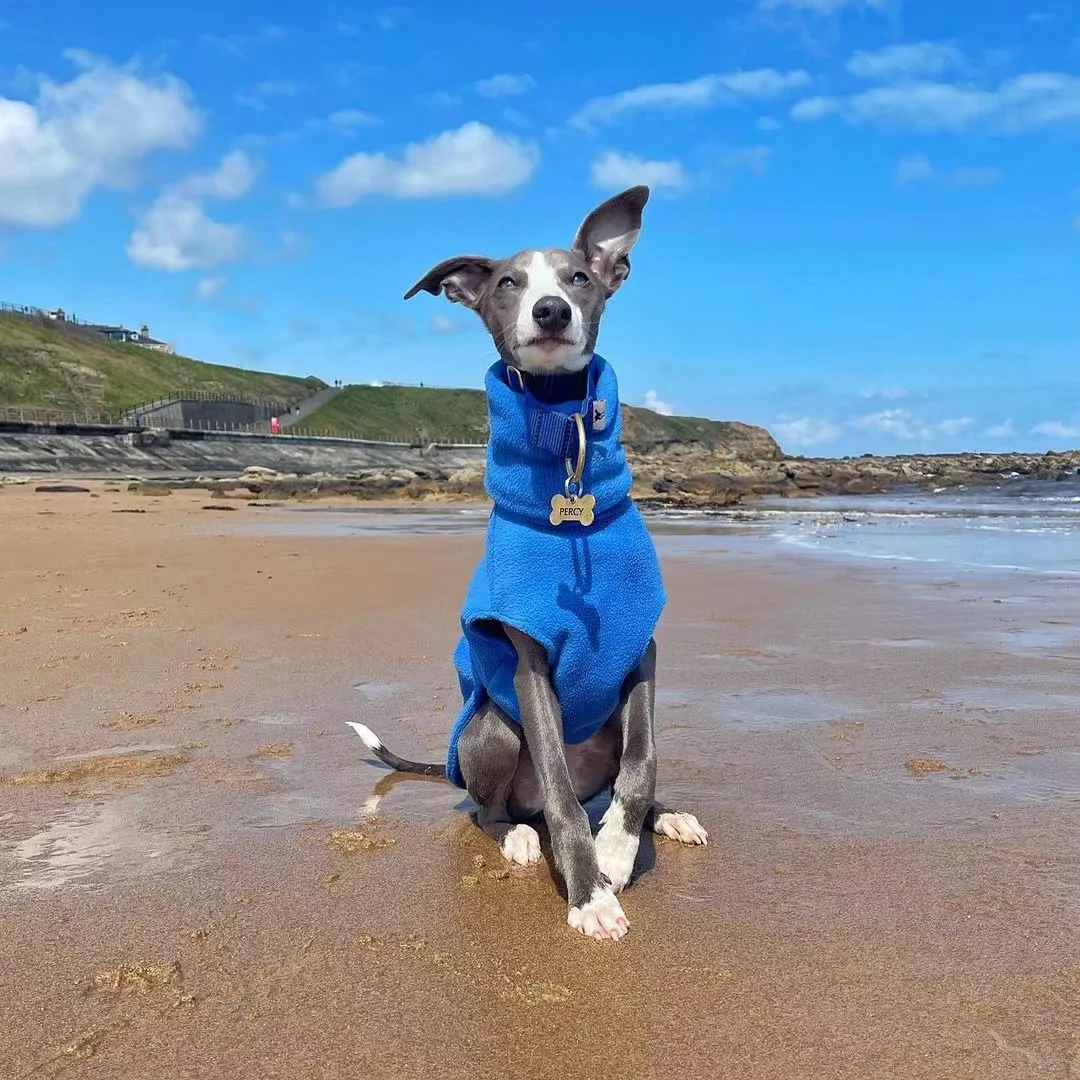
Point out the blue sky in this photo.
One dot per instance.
(865, 232)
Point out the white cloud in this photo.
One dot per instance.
(703, 92)
(956, 425)
(440, 99)
(822, 7)
(975, 177)
(443, 324)
(209, 288)
(504, 85)
(93, 131)
(1057, 430)
(175, 233)
(763, 83)
(347, 120)
(232, 179)
(615, 171)
(752, 158)
(807, 431)
(815, 108)
(344, 122)
(902, 424)
(255, 98)
(906, 61)
(768, 123)
(898, 423)
(653, 402)
(471, 160)
(912, 168)
(293, 245)
(915, 167)
(1003, 430)
(239, 44)
(1023, 103)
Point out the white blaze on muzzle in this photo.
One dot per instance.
(543, 280)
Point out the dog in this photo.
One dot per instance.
(557, 662)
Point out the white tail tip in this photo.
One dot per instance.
(371, 740)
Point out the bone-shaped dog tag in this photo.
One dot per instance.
(579, 508)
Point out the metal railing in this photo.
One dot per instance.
(59, 416)
(76, 418)
(464, 440)
(181, 396)
(69, 322)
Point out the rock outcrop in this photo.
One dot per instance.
(691, 475)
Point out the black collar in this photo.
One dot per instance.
(550, 389)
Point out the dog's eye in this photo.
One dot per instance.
(507, 283)
(580, 278)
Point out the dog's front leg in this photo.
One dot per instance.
(635, 786)
(594, 909)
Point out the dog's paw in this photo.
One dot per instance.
(601, 918)
(616, 849)
(682, 827)
(521, 845)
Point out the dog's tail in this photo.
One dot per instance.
(374, 744)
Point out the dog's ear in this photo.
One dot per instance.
(609, 232)
(461, 278)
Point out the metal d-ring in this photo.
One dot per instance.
(574, 472)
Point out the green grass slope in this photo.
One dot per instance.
(409, 413)
(43, 367)
(403, 413)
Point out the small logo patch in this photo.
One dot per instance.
(599, 415)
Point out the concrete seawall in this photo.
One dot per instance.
(111, 452)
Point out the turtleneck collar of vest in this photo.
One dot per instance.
(531, 437)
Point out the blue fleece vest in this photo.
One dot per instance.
(591, 595)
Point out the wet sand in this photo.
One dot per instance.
(887, 761)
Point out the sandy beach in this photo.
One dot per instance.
(887, 762)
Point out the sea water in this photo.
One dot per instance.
(1015, 525)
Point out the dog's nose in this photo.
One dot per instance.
(552, 313)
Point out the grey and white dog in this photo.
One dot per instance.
(543, 309)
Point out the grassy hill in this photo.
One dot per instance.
(43, 367)
(424, 414)
(403, 413)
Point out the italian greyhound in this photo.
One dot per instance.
(543, 310)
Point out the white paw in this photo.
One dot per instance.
(616, 849)
(682, 827)
(601, 918)
(521, 845)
